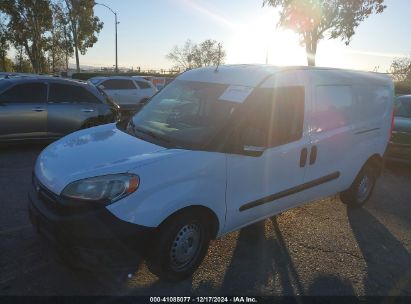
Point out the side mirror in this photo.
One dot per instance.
(100, 86)
(254, 142)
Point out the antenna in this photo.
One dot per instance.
(219, 57)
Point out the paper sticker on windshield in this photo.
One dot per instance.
(236, 93)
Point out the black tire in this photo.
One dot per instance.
(361, 189)
(181, 246)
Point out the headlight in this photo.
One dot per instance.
(103, 189)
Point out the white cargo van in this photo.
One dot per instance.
(216, 150)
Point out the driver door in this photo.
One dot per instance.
(262, 180)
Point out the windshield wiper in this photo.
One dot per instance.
(152, 134)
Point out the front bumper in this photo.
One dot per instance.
(91, 236)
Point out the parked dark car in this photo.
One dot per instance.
(34, 108)
(399, 148)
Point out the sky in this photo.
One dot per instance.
(149, 29)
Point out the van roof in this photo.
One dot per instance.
(254, 74)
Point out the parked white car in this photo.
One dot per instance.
(214, 151)
(128, 92)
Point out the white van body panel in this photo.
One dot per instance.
(192, 178)
(172, 179)
(93, 152)
(277, 169)
(244, 75)
(349, 123)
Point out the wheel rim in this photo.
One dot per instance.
(364, 188)
(185, 247)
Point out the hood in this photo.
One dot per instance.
(93, 152)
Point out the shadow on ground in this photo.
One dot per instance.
(388, 261)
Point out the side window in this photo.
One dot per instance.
(257, 118)
(288, 117)
(64, 93)
(143, 85)
(333, 107)
(275, 117)
(370, 101)
(25, 93)
(119, 84)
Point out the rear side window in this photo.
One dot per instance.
(65, 93)
(119, 84)
(25, 93)
(278, 114)
(143, 85)
(332, 107)
(370, 101)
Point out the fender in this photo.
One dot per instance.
(192, 178)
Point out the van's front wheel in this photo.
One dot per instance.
(181, 246)
(361, 189)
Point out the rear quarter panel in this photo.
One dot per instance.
(366, 122)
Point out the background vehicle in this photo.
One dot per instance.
(399, 148)
(216, 151)
(33, 108)
(158, 82)
(13, 74)
(130, 93)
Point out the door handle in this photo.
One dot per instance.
(87, 110)
(38, 109)
(303, 157)
(313, 155)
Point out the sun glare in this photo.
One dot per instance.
(260, 41)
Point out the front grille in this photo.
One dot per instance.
(49, 199)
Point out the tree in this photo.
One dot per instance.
(29, 21)
(401, 68)
(60, 45)
(182, 57)
(21, 63)
(4, 45)
(192, 55)
(83, 25)
(314, 20)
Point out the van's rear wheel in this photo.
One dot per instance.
(361, 189)
(181, 246)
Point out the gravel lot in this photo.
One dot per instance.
(318, 249)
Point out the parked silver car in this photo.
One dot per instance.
(130, 93)
(41, 107)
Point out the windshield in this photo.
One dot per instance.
(403, 107)
(186, 113)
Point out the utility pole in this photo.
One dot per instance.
(115, 23)
(115, 19)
